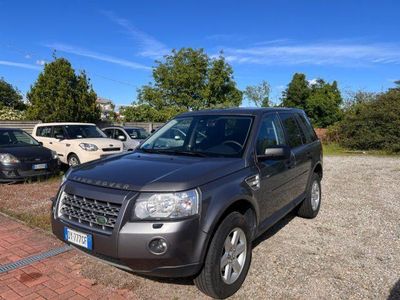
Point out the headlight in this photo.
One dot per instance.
(54, 154)
(7, 158)
(166, 205)
(88, 147)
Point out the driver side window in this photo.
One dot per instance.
(270, 134)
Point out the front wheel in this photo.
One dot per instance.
(228, 258)
(73, 160)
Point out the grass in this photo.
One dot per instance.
(336, 149)
(35, 221)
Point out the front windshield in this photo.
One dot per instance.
(13, 138)
(208, 135)
(137, 133)
(83, 132)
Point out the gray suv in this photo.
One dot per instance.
(193, 205)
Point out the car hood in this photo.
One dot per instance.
(30, 153)
(101, 142)
(155, 172)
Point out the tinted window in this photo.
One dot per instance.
(138, 133)
(109, 133)
(43, 131)
(292, 129)
(307, 128)
(118, 133)
(58, 132)
(270, 134)
(83, 131)
(14, 138)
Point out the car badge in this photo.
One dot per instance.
(101, 220)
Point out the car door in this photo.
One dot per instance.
(58, 142)
(275, 174)
(43, 135)
(296, 140)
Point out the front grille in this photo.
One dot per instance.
(111, 149)
(34, 159)
(101, 215)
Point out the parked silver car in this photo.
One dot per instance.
(131, 137)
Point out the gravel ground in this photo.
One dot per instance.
(350, 251)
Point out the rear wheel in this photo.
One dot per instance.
(228, 258)
(73, 160)
(309, 208)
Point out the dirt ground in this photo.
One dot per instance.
(350, 251)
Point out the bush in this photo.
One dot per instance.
(372, 124)
(10, 114)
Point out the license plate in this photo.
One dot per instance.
(78, 238)
(39, 166)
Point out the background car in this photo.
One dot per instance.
(131, 137)
(76, 143)
(21, 156)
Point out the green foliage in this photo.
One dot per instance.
(297, 92)
(60, 95)
(321, 100)
(10, 97)
(188, 79)
(147, 113)
(10, 114)
(259, 94)
(372, 124)
(323, 104)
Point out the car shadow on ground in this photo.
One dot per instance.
(265, 236)
(395, 292)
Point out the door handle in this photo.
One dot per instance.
(51, 143)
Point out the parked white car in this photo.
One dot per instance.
(131, 137)
(76, 143)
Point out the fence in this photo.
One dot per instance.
(29, 125)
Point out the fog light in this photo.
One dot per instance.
(158, 246)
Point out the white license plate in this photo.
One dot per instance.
(39, 166)
(78, 238)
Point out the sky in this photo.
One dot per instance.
(356, 43)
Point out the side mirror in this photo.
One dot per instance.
(41, 143)
(121, 138)
(279, 152)
(59, 137)
(177, 137)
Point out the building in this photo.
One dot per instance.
(106, 107)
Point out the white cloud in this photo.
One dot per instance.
(334, 53)
(312, 81)
(149, 46)
(19, 65)
(41, 62)
(27, 56)
(97, 56)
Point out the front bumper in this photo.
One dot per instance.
(23, 171)
(127, 247)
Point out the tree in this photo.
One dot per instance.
(61, 95)
(259, 94)
(372, 124)
(297, 92)
(323, 103)
(188, 79)
(10, 97)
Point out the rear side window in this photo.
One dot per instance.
(307, 128)
(293, 132)
(44, 131)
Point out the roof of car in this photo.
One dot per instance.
(123, 127)
(64, 123)
(249, 111)
(7, 128)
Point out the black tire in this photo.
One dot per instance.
(306, 209)
(73, 160)
(210, 281)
